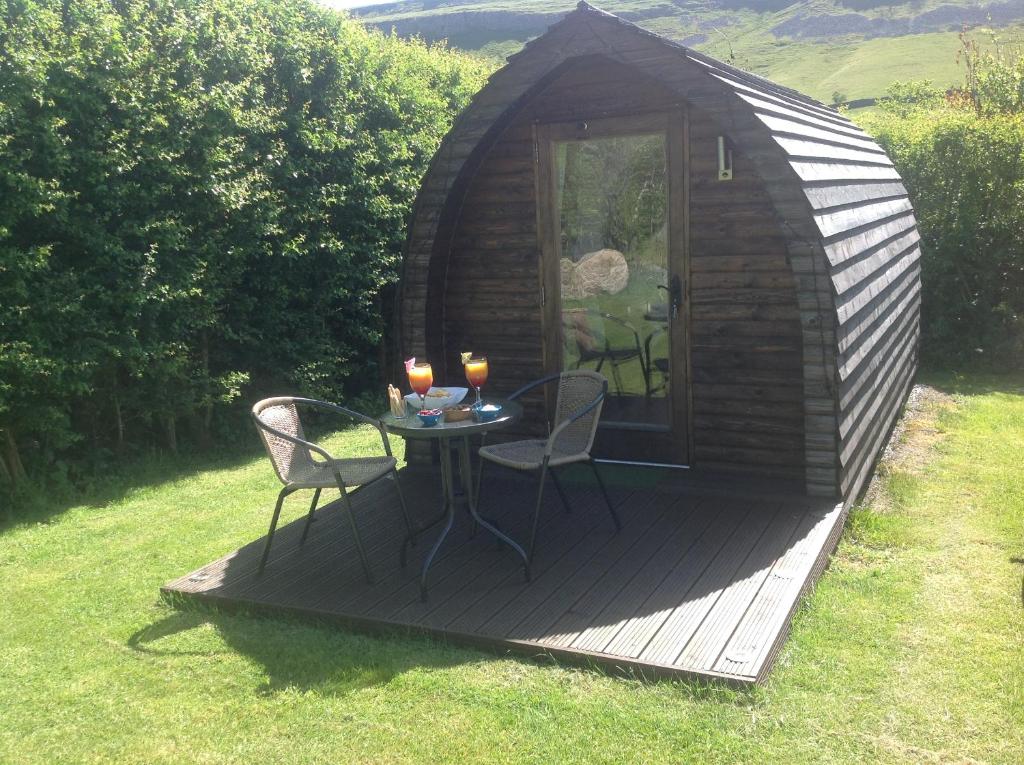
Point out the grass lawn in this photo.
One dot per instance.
(910, 650)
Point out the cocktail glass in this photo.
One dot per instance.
(421, 377)
(476, 374)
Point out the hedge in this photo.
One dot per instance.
(198, 198)
(961, 156)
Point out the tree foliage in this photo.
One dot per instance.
(961, 156)
(198, 197)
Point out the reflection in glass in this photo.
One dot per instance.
(612, 205)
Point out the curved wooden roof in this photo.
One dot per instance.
(853, 236)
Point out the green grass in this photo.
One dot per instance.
(910, 649)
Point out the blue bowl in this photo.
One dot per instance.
(486, 412)
(429, 417)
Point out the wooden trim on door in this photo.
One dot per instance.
(674, 126)
(602, 127)
(679, 267)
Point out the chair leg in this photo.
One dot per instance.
(536, 512)
(309, 518)
(617, 377)
(411, 538)
(355, 530)
(273, 525)
(480, 473)
(607, 499)
(476, 494)
(561, 492)
(405, 507)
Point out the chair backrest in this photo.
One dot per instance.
(577, 389)
(288, 457)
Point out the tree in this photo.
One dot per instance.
(199, 200)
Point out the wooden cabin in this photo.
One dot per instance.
(741, 261)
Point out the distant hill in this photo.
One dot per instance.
(826, 48)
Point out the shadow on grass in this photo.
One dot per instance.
(305, 656)
(971, 382)
(145, 469)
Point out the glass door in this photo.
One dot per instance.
(616, 286)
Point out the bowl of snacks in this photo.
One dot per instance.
(437, 398)
(429, 417)
(486, 412)
(458, 413)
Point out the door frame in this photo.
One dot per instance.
(674, 125)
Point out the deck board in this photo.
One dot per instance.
(702, 580)
(652, 613)
(707, 642)
(750, 642)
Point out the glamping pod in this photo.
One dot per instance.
(739, 260)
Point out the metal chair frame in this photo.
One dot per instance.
(346, 495)
(660, 364)
(545, 468)
(608, 353)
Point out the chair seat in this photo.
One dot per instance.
(354, 472)
(528, 455)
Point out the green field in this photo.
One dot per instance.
(863, 68)
(909, 650)
(852, 65)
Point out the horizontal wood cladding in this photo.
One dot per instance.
(804, 269)
(869, 237)
(870, 240)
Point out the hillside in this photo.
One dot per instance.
(823, 47)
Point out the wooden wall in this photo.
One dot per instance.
(746, 354)
(745, 329)
(869, 236)
(849, 234)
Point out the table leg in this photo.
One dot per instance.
(466, 469)
(411, 537)
(448, 490)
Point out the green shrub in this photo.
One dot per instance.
(962, 159)
(198, 197)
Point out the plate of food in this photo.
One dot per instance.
(437, 398)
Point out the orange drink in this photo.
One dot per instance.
(476, 372)
(421, 377)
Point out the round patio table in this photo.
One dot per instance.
(457, 433)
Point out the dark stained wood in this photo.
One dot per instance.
(682, 434)
(814, 238)
(701, 582)
(751, 641)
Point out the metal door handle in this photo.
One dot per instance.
(676, 294)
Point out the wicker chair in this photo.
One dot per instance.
(581, 394)
(279, 425)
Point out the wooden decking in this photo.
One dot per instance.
(699, 582)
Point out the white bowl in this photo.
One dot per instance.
(433, 401)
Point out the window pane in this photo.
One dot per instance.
(612, 205)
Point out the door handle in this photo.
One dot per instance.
(676, 296)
